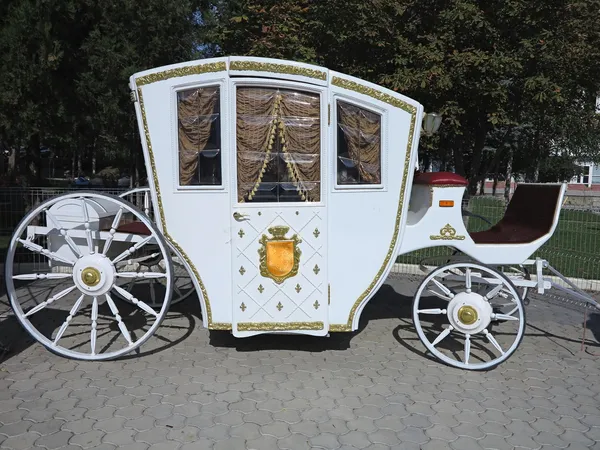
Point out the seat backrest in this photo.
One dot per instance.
(533, 206)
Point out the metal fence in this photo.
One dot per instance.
(574, 249)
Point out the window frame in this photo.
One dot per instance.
(223, 117)
(383, 139)
(323, 93)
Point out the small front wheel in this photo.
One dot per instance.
(469, 315)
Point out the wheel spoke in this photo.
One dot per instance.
(72, 313)
(88, 231)
(64, 233)
(49, 301)
(442, 335)
(493, 341)
(494, 292)
(132, 249)
(122, 326)
(432, 311)
(94, 333)
(504, 317)
(42, 276)
(141, 274)
(467, 348)
(113, 230)
(44, 251)
(443, 288)
(468, 279)
(140, 304)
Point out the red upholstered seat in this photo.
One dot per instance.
(134, 228)
(440, 179)
(529, 216)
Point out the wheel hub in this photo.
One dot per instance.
(94, 274)
(90, 276)
(469, 312)
(467, 315)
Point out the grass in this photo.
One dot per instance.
(573, 250)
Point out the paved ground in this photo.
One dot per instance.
(373, 389)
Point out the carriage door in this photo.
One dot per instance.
(279, 219)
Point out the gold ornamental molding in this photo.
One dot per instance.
(447, 233)
(254, 66)
(279, 255)
(181, 72)
(279, 326)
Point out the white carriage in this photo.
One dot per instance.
(286, 191)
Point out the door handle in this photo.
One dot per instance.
(237, 216)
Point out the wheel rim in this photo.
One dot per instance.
(74, 307)
(183, 285)
(469, 316)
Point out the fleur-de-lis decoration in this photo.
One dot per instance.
(260, 288)
(316, 232)
(298, 288)
(316, 270)
(243, 307)
(241, 233)
(242, 270)
(316, 304)
(279, 306)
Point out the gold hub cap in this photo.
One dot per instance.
(467, 315)
(90, 276)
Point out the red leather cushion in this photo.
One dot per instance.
(440, 179)
(134, 228)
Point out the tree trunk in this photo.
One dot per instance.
(507, 184)
(475, 172)
(482, 186)
(495, 185)
(73, 161)
(94, 158)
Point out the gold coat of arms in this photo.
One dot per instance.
(279, 255)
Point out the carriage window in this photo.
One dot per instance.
(278, 133)
(358, 145)
(199, 123)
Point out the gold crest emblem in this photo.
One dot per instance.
(447, 233)
(279, 255)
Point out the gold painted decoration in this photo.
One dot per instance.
(279, 326)
(243, 307)
(254, 66)
(242, 270)
(298, 288)
(279, 255)
(279, 306)
(181, 72)
(260, 288)
(316, 304)
(316, 269)
(316, 232)
(241, 233)
(447, 233)
(374, 93)
(90, 276)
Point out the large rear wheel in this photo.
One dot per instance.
(68, 264)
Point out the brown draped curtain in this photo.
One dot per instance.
(266, 116)
(195, 113)
(362, 130)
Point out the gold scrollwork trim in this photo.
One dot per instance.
(375, 93)
(277, 68)
(447, 233)
(412, 110)
(211, 325)
(181, 72)
(279, 326)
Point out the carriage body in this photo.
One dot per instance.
(336, 238)
(282, 193)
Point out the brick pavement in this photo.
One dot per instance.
(374, 389)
